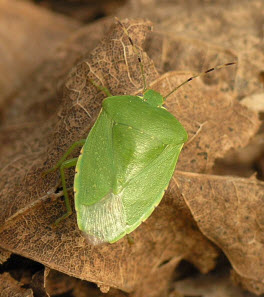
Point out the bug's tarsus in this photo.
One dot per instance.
(198, 75)
(136, 51)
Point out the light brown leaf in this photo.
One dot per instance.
(28, 34)
(229, 211)
(254, 102)
(198, 26)
(248, 284)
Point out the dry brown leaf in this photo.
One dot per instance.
(239, 162)
(40, 103)
(37, 284)
(28, 34)
(11, 288)
(235, 25)
(212, 285)
(229, 211)
(254, 102)
(57, 283)
(84, 10)
(4, 255)
(192, 55)
(215, 122)
(252, 285)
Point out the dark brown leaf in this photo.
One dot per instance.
(11, 288)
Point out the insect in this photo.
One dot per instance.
(126, 162)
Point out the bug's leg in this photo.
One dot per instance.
(66, 164)
(67, 153)
(101, 88)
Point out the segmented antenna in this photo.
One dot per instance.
(198, 75)
(136, 51)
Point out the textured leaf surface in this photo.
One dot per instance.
(231, 215)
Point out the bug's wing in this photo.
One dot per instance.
(93, 181)
(94, 169)
(103, 221)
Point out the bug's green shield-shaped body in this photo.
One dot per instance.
(125, 166)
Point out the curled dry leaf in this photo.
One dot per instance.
(229, 211)
(215, 123)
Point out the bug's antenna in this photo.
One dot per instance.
(136, 52)
(197, 75)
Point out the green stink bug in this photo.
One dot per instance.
(126, 162)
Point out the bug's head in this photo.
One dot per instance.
(154, 98)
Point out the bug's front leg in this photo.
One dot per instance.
(65, 165)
